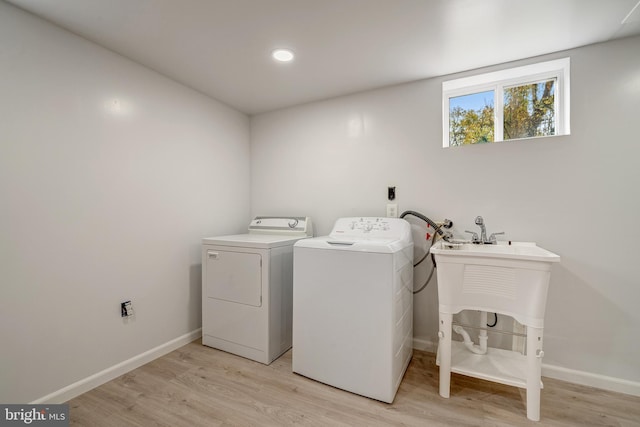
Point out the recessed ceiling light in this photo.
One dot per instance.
(282, 55)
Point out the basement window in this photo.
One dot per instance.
(517, 103)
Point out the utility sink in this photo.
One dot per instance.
(505, 278)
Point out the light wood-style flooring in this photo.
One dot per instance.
(201, 386)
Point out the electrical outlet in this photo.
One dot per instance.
(391, 193)
(392, 210)
(126, 309)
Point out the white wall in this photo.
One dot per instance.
(100, 204)
(576, 195)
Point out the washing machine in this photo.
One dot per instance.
(247, 284)
(353, 306)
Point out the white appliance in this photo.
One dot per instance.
(353, 306)
(247, 283)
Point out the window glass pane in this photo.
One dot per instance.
(471, 118)
(529, 110)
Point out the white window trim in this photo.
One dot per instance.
(497, 80)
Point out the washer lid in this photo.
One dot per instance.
(364, 234)
(259, 241)
(380, 246)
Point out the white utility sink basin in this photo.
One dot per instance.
(510, 279)
(506, 250)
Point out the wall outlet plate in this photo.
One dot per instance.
(392, 210)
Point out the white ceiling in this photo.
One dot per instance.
(222, 47)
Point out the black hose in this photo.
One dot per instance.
(495, 322)
(433, 239)
(438, 230)
(428, 221)
(427, 281)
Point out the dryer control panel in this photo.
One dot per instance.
(293, 225)
(370, 228)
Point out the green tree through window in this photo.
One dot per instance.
(529, 110)
(470, 126)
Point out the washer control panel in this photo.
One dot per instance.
(369, 227)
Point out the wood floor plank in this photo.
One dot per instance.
(200, 386)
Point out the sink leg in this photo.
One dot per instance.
(444, 350)
(534, 363)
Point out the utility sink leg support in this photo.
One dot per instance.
(534, 372)
(444, 351)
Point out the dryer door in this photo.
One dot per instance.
(234, 277)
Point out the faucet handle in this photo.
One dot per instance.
(474, 236)
(492, 238)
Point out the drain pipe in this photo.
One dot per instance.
(482, 349)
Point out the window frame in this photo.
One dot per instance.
(558, 69)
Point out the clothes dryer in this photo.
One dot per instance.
(247, 284)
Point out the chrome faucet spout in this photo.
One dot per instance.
(483, 230)
(482, 239)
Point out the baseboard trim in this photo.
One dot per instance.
(559, 373)
(592, 380)
(425, 345)
(69, 392)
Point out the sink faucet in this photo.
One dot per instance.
(483, 240)
(483, 229)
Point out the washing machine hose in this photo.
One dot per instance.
(437, 231)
